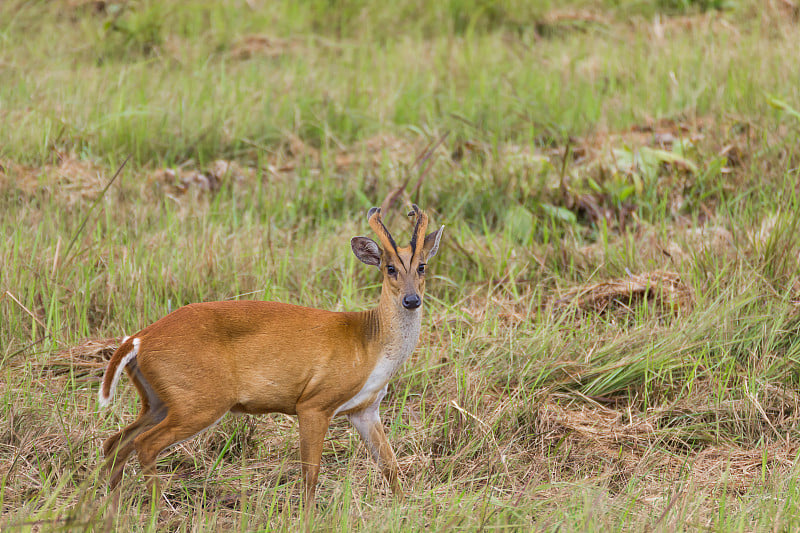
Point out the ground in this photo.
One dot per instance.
(612, 323)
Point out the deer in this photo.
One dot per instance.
(196, 364)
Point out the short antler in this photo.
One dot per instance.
(376, 223)
(418, 238)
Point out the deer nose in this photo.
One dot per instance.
(411, 301)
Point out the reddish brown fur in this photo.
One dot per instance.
(238, 348)
(116, 359)
(205, 359)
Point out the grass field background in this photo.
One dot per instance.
(612, 331)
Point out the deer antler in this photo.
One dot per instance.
(376, 223)
(418, 237)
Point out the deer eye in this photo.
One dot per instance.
(421, 268)
(391, 270)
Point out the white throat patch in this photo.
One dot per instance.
(405, 335)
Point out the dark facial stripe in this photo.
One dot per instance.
(389, 236)
(414, 211)
(375, 221)
(419, 227)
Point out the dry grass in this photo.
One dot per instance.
(70, 179)
(612, 326)
(501, 442)
(663, 289)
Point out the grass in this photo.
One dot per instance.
(170, 82)
(612, 326)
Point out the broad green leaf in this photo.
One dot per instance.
(520, 222)
(663, 156)
(560, 213)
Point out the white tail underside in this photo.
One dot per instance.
(105, 400)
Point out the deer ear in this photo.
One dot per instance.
(431, 245)
(366, 250)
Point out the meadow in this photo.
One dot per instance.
(611, 338)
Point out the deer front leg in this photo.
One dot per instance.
(369, 426)
(313, 426)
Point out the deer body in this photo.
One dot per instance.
(203, 360)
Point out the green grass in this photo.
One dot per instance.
(587, 142)
(167, 82)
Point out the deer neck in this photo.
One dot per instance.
(393, 332)
(398, 329)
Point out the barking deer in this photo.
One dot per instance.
(194, 365)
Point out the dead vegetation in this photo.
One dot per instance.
(176, 182)
(467, 432)
(598, 178)
(616, 447)
(597, 351)
(660, 288)
(88, 358)
(73, 179)
(70, 178)
(255, 45)
(562, 437)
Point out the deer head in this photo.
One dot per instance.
(403, 268)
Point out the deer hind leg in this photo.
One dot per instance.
(178, 425)
(369, 426)
(118, 448)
